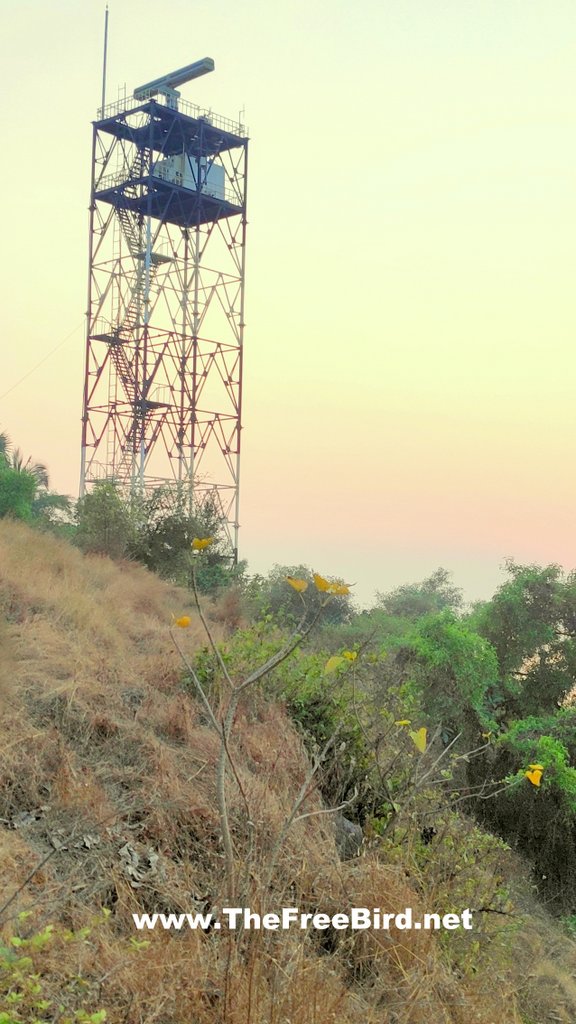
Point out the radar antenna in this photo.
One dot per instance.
(168, 84)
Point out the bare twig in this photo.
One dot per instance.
(207, 630)
(224, 730)
(198, 686)
(327, 810)
(303, 793)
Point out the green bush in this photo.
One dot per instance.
(157, 530)
(539, 819)
(271, 595)
(40, 979)
(454, 671)
(104, 522)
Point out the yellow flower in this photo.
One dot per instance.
(350, 655)
(419, 738)
(534, 776)
(339, 588)
(404, 721)
(333, 663)
(536, 767)
(336, 587)
(184, 621)
(299, 585)
(322, 584)
(199, 544)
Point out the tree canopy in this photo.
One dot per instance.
(531, 624)
(24, 489)
(412, 600)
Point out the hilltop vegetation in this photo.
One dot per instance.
(181, 736)
(109, 802)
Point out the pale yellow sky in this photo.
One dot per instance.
(409, 361)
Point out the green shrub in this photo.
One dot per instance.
(40, 978)
(104, 522)
(539, 819)
(454, 670)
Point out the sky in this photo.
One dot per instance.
(409, 349)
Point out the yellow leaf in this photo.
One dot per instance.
(322, 584)
(419, 738)
(299, 585)
(333, 663)
(403, 721)
(350, 655)
(534, 776)
(184, 621)
(199, 544)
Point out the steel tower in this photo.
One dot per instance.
(165, 321)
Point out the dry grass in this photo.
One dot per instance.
(81, 620)
(105, 753)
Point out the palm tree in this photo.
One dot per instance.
(36, 469)
(43, 504)
(14, 460)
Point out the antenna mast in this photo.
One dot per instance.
(104, 60)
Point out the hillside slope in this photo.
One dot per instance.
(107, 800)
